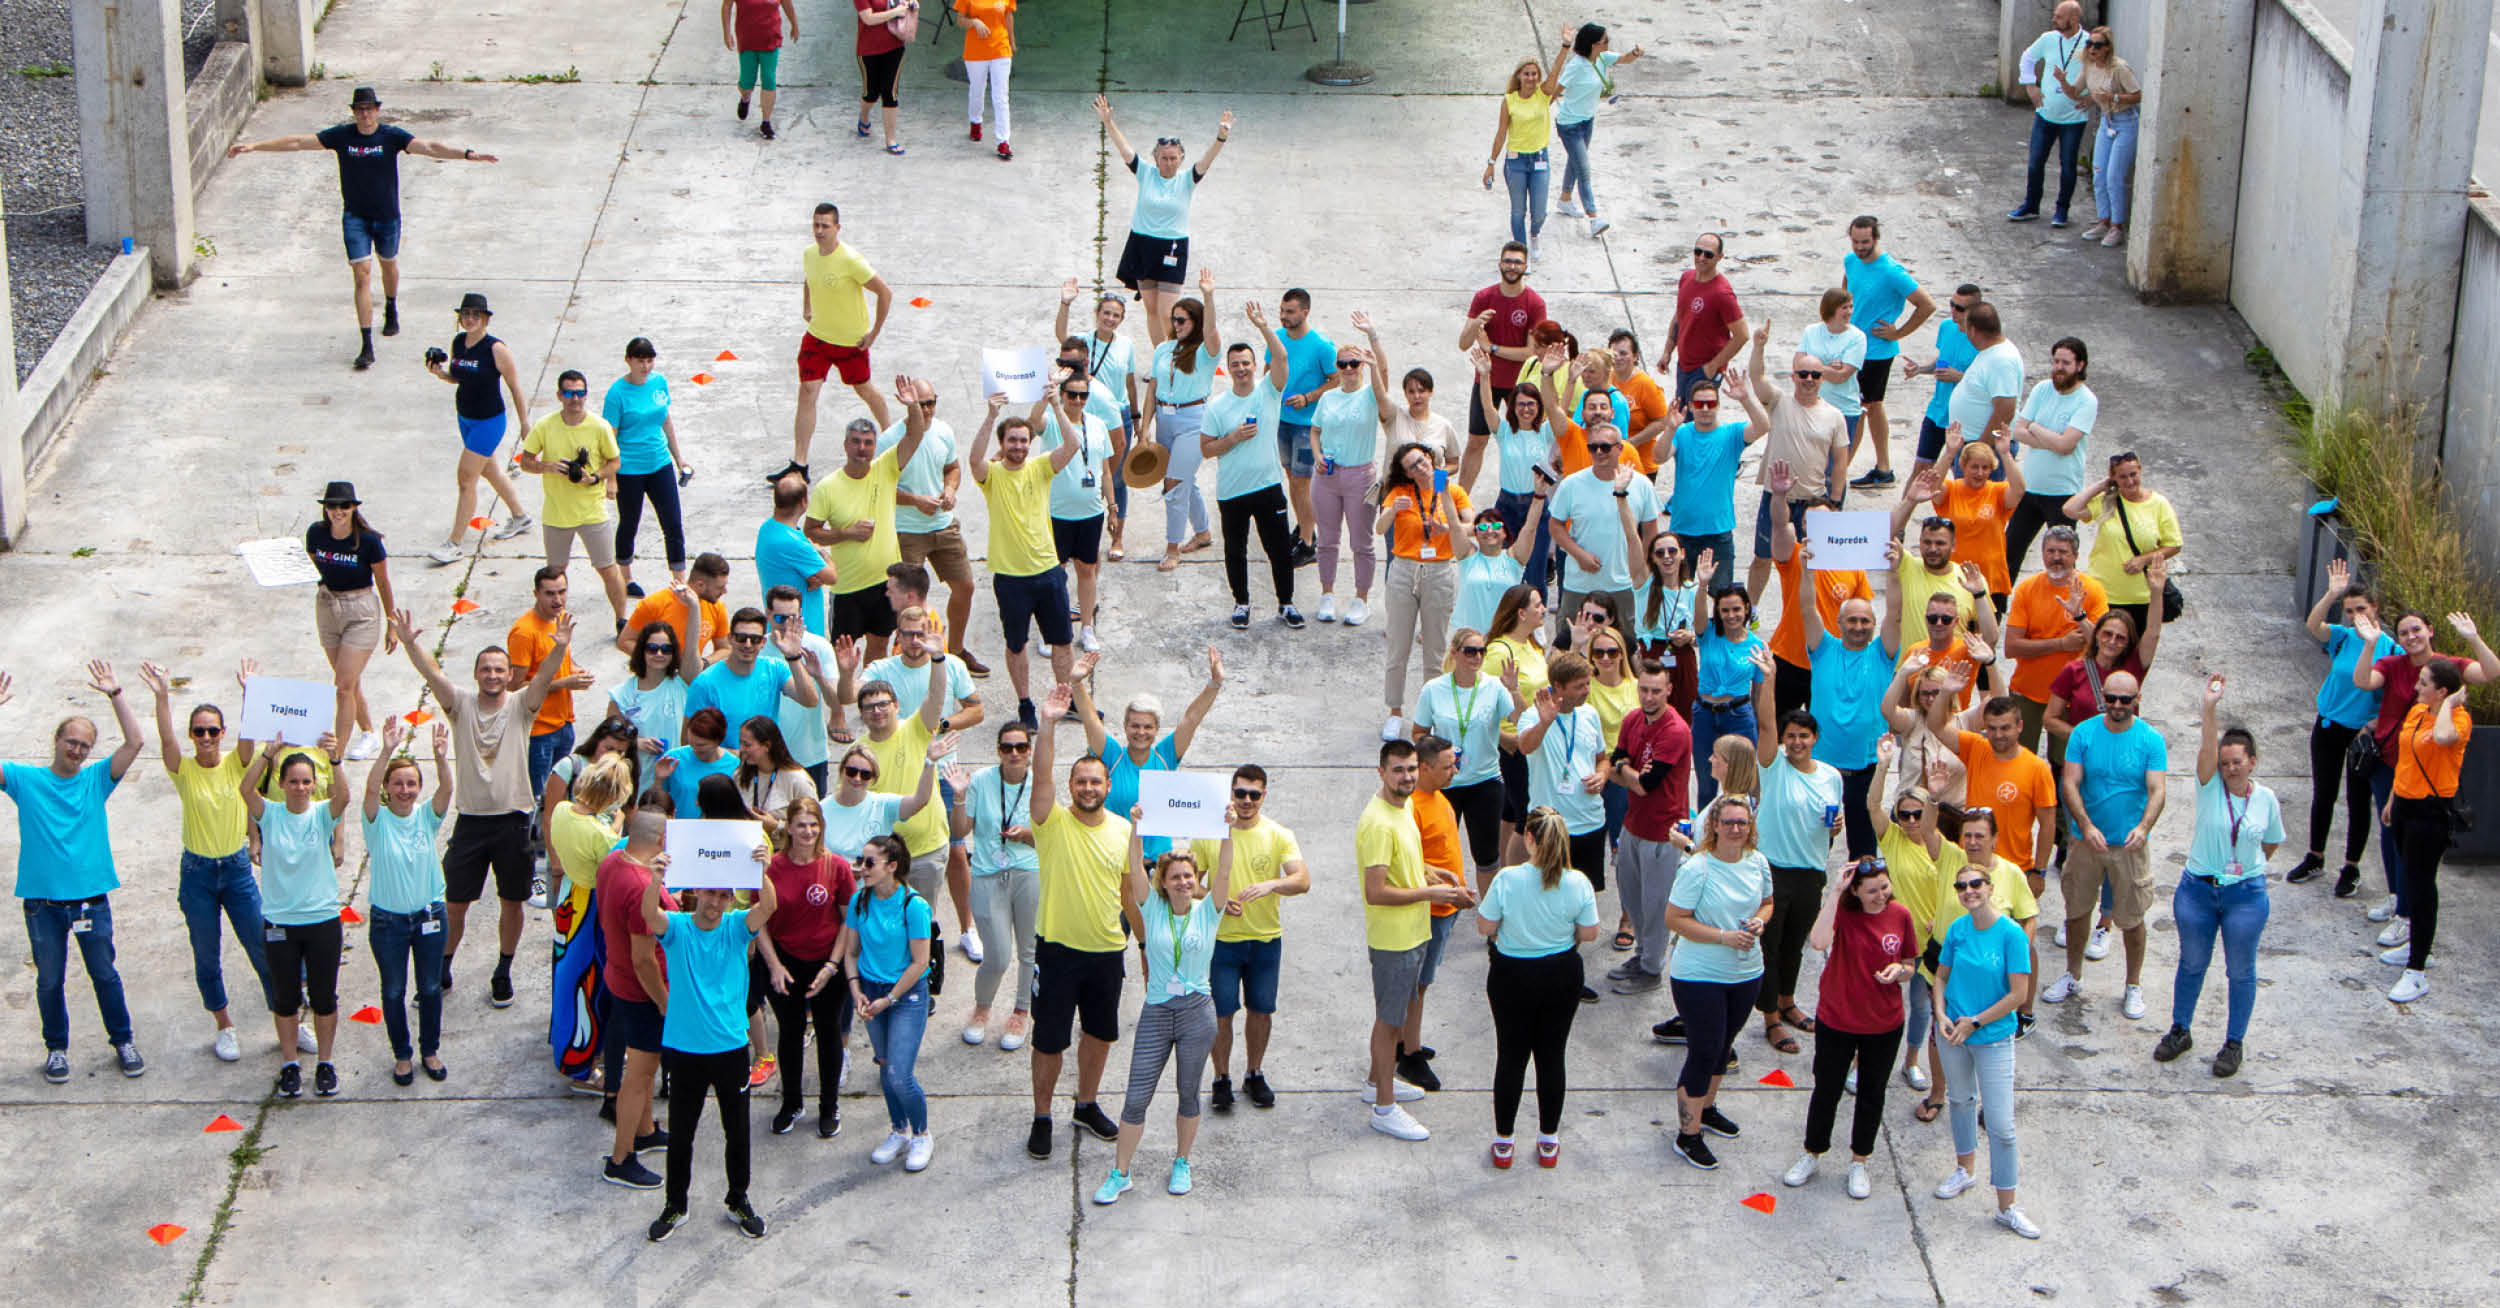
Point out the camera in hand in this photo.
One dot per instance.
(576, 469)
(435, 356)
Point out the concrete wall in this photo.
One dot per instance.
(216, 103)
(86, 341)
(2471, 450)
(2289, 172)
(2128, 21)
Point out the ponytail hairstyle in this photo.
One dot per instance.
(1549, 844)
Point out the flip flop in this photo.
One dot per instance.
(1926, 1110)
(1170, 561)
(894, 149)
(842, 738)
(863, 127)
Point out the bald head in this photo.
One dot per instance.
(646, 827)
(2068, 17)
(2118, 700)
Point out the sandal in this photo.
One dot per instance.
(1171, 560)
(863, 127)
(1624, 939)
(1797, 1019)
(1927, 1110)
(894, 149)
(1779, 1037)
(1198, 542)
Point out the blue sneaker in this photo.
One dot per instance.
(1180, 1177)
(1113, 1186)
(2022, 215)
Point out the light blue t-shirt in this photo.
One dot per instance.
(2053, 50)
(1788, 826)
(1109, 363)
(924, 475)
(1587, 506)
(299, 885)
(1172, 386)
(2340, 701)
(803, 728)
(1537, 922)
(1721, 895)
(1992, 374)
(657, 712)
(707, 984)
(1704, 500)
(1879, 289)
(1953, 350)
(755, 695)
(1310, 363)
(2233, 830)
(1250, 466)
(2045, 473)
(1162, 204)
(1122, 796)
(1724, 668)
(1583, 82)
(784, 556)
(1348, 423)
(1522, 451)
(1076, 490)
(2114, 764)
(911, 685)
(1848, 700)
(1575, 744)
(64, 850)
(849, 826)
(1847, 346)
(640, 415)
(996, 804)
(688, 778)
(886, 929)
(1482, 578)
(403, 871)
(1983, 963)
(1180, 951)
(1470, 718)
(1675, 611)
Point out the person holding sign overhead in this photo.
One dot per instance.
(300, 907)
(703, 1033)
(1177, 926)
(1077, 968)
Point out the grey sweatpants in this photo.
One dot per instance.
(1644, 877)
(1004, 906)
(1186, 1023)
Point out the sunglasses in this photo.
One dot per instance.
(1603, 447)
(1162, 141)
(1908, 814)
(928, 404)
(2118, 699)
(1810, 374)
(1605, 653)
(1348, 365)
(1966, 887)
(1958, 306)
(2096, 45)
(1700, 253)
(1940, 619)
(1078, 395)
(746, 638)
(859, 774)
(572, 394)
(1703, 404)
(659, 649)
(207, 733)
(1014, 746)
(1471, 651)
(1247, 795)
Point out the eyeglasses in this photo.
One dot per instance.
(746, 638)
(1810, 374)
(859, 774)
(572, 394)
(1908, 814)
(1940, 619)
(1971, 885)
(1735, 822)
(866, 704)
(1700, 253)
(207, 733)
(1471, 651)
(2117, 699)
(1246, 794)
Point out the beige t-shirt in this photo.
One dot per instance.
(2117, 76)
(1806, 439)
(493, 762)
(1434, 432)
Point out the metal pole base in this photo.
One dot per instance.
(1340, 72)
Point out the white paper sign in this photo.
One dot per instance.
(1848, 541)
(1185, 805)
(1020, 375)
(279, 561)
(710, 853)
(276, 710)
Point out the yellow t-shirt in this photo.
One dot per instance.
(1019, 511)
(212, 805)
(566, 503)
(1613, 704)
(1499, 654)
(899, 760)
(841, 499)
(1081, 871)
(837, 299)
(580, 841)
(1531, 121)
(1917, 583)
(2156, 526)
(1259, 854)
(1921, 883)
(1386, 835)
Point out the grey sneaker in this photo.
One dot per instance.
(1639, 983)
(132, 1063)
(56, 1066)
(518, 523)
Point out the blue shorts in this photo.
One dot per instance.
(1244, 973)
(1762, 524)
(483, 436)
(367, 237)
(1293, 449)
(1435, 947)
(1038, 600)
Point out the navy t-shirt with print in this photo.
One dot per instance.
(344, 565)
(368, 172)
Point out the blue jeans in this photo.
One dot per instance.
(1710, 723)
(1722, 547)
(544, 751)
(2382, 785)
(2113, 164)
(1512, 509)
(1979, 1076)
(1527, 175)
(1575, 144)
(49, 924)
(2068, 138)
(2239, 912)
(396, 938)
(208, 886)
(895, 1036)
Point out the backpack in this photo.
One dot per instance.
(937, 937)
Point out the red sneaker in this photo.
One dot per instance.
(1548, 1152)
(1004, 152)
(762, 1070)
(1501, 1154)
(976, 131)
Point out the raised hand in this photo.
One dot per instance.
(956, 776)
(1206, 280)
(1257, 314)
(1363, 322)
(100, 678)
(1085, 665)
(1979, 649)
(2338, 577)
(1055, 705)
(846, 653)
(1067, 292)
(1938, 776)
(1973, 580)
(1102, 107)
(250, 668)
(941, 746)
(2213, 691)
(1777, 477)
(1215, 666)
(154, 678)
(1762, 334)
(442, 738)
(2463, 625)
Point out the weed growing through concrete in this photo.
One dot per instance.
(48, 68)
(570, 74)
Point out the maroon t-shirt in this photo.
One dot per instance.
(1710, 317)
(1513, 317)
(2073, 683)
(617, 891)
(1667, 742)
(1851, 1000)
(808, 899)
(758, 24)
(874, 38)
(2396, 698)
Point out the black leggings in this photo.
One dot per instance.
(2031, 514)
(2330, 769)
(1534, 1002)
(877, 76)
(1267, 508)
(1480, 812)
(1834, 1051)
(1588, 857)
(690, 1077)
(831, 1009)
(661, 487)
(1713, 1012)
(1796, 900)
(2421, 836)
(309, 953)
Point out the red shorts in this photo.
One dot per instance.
(818, 356)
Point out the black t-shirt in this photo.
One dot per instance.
(368, 172)
(344, 565)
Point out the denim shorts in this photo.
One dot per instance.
(1244, 973)
(1433, 948)
(367, 237)
(1293, 448)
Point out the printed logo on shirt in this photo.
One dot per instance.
(1699, 304)
(817, 895)
(2008, 791)
(1518, 317)
(364, 151)
(1891, 941)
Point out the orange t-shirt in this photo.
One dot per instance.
(1406, 534)
(664, 606)
(1978, 528)
(2014, 791)
(1438, 822)
(993, 12)
(529, 642)
(1571, 450)
(1831, 590)
(1649, 404)
(2424, 767)
(2035, 609)
(1955, 659)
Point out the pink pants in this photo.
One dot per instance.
(1339, 501)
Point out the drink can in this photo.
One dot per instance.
(1831, 815)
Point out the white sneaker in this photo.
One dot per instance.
(1044, 646)
(2098, 229)
(2062, 989)
(366, 746)
(842, 1079)
(1356, 612)
(1569, 208)
(1011, 1042)
(1859, 1185)
(447, 552)
(975, 1034)
(305, 1041)
(2399, 930)
(2383, 910)
(1914, 1076)
(916, 1155)
(1404, 1093)
(2114, 238)
(1597, 226)
(226, 1047)
(1398, 1123)
(2131, 1005)
(513, 526)
(970, 943)
(1394, 728)
(2061, 935)
(1087, 641)
(2097, 948)
(895, 1142)
(1327, 609)
(1800, 1171)
(2402, 956)
(1952, 1186)
(2409, 987)
(2012, 1219)
(1536, 247)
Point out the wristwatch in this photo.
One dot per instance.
(1623, 494)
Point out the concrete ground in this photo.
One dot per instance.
(631, 203)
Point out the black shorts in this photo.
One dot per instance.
(1026, 602)
(1514, 788)
(1075, 987)
(1154, 259)
(1080, 540)
(1875, 379)
(635, 1026)
(483, 840)
(1479, 422)
(863, 612)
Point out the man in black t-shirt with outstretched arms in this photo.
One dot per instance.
(369, 189)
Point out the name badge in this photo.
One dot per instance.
(273, 933)
(432, 926)
(2234, 870)
(81, 924)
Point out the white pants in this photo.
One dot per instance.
(991, 73)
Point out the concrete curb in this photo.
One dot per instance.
(86, 341)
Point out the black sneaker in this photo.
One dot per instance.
(1588, 995)
(290, 1082)
(667, 1224)
(56, 1066)
(2058, 219)
(1694, 1149)
(828, 1122)
(132, 1063)
(1028, 715)
(1038, 1143)
(1730, 1069)
(499, 990)
(1254, 1088)
(1717, 1123)
(2023, 1022)
(658, 1139)
(363, 360)
(325, 1080)
(633, 590)
(742, 110)
(607, 1109)
(1303, 553)
(2227, 1062)
(1416, 1071)
(1293, 617)
(390, 318)
(1669, 1032)
(2310, 866)
(742, 1215)
(631, 1174)
(784, 1120)
(2348, 882)
(1223, 1097)
(2177, 1042)
(1092, 1118)
(1241, 617)
(767, 132)
(1874, 478)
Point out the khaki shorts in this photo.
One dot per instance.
(348, 619)
(941, 551)
(598, 543)
(2130, 876)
